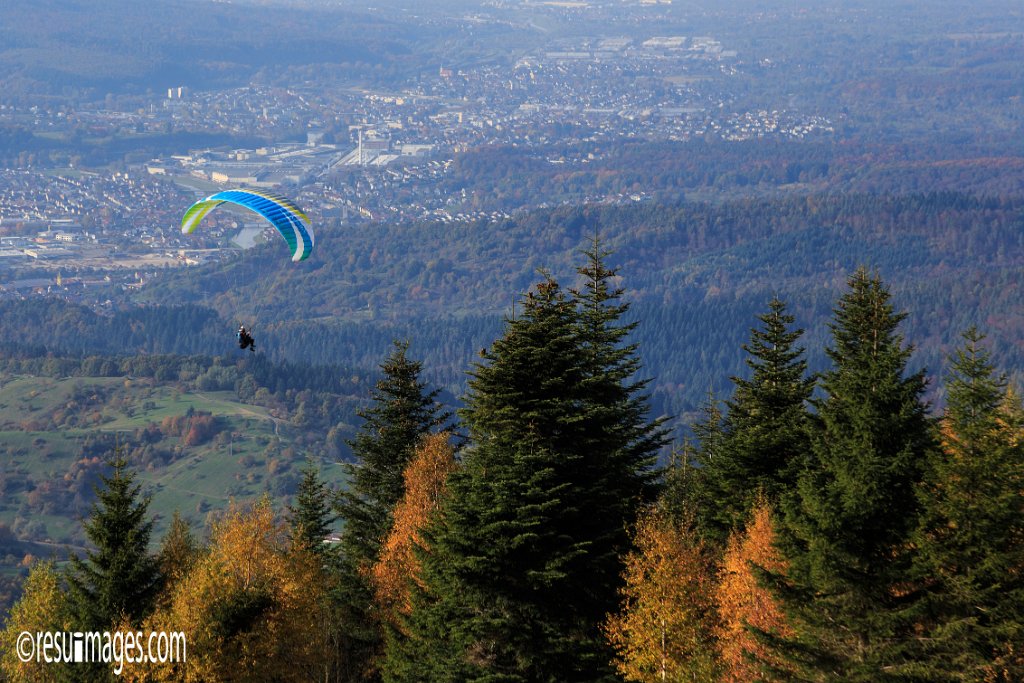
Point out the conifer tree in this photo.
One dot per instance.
(847, 525)
(403, 411)
(615, 405)
(311, 516)
(523, 564)
(118, 578)
(971, 535)
(764, 435)
(179, 551)
(678, 498)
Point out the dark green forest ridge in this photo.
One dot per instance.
(695, 273)
(196, 416)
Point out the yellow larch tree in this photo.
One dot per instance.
(43, 607)
(251, 607)
(425, 481)
(663, 631)
(744, 603)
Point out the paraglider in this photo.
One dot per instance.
(245, 340)
(282, 213)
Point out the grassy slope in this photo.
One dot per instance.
(243, 463)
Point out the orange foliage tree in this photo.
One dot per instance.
(745, 604)
(251, 607)
(425, 481)
(663, 631)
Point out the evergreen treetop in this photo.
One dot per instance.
(847, 523)
(526, 555)
(763, 437)
(970, 539)
(311, 516)
(118, 578)
(403, 411)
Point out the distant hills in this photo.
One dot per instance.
(120, 46)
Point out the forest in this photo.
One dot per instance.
(819, 525)
(696, 273)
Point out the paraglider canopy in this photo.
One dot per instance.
(282, 213)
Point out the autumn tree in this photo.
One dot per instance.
(663, 631)
(251, 608)
(43, 607)
(746, 606)
(426, 479)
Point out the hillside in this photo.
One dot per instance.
(199, 431)
(75, 382)
(696, 274)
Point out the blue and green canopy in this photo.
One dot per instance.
(282, 213)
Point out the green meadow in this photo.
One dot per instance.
(54, 434)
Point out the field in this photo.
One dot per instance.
(54, 434)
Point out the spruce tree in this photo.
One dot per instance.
(616, 402)
(764, 436)
(118, 578)
(522, 566)
(403, 411)
(310, 518)
(709, 434)
(847, 524)
(971, 536)
(501, 602)
(614, 436)
(178, 554)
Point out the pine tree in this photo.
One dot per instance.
(615, 400)
(179, 552)
(501, 580)
(310, 518)
(403, 412)
(971, 535)
(523, 564)
(847, 525)
(118, 578)
(764, 435)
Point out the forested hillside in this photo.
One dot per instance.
(821, 526)
(695, 273)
